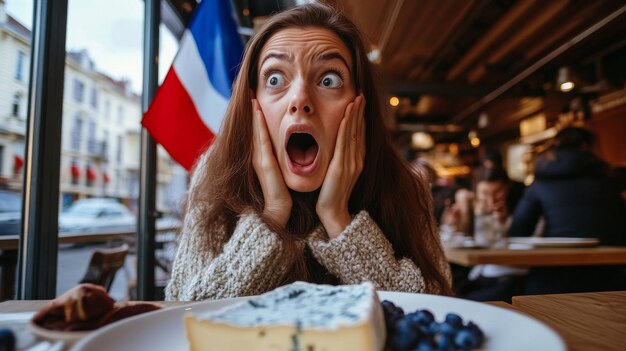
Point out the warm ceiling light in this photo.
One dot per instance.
(421, 140)
(473, 138)
(394, 101)
(567, 86)
(564, 80)
(374, 56)
(483, 120)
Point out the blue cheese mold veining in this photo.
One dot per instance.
(302, 304)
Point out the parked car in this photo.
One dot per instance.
(96, 215)
(10, 212)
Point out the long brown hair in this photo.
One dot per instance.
(398, 202)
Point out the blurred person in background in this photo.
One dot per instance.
(492, 216)
(577, 198)
(493, 159)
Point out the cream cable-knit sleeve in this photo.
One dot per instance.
(363, 253)
(249, 264)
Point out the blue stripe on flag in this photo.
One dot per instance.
(215, 32)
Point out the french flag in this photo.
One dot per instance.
(187, 110)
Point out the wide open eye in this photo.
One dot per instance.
(275, 80)
(331, 80)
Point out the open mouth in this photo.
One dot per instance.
(302, 149)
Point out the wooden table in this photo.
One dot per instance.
(536, 257)
(586, 321)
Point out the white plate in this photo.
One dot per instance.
(164, 330)
(555, 242)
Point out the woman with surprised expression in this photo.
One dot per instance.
(303, 182)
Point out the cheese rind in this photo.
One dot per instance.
(299, 316)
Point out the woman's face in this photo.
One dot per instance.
(304, 86)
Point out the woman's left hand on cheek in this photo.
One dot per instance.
(344, 170)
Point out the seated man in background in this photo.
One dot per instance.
(577, 198)
(492, 217)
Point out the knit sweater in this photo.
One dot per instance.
(250, 262)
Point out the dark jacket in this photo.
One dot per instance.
(576, 197)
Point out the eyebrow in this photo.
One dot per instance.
(327, 56)
(276, 55)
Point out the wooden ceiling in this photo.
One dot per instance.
(453, 60)
(450, 60)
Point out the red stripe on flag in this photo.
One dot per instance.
(172, 120)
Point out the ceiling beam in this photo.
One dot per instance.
(430, 128)
(539, 64)
(501, 28)
(411, 89)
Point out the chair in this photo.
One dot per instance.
(104, 264)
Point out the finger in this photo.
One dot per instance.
(343, 136)
(264, 138)
(255, 129)
(362, 123)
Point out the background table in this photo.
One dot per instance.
(536, 257)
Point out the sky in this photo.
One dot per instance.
(112, 33)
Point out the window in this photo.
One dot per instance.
(77, 130)
(107, 109)
(92, 144)
(20, 66)
(120, 114)
(79, 90)
(94, 97)
(105, 145)
(118, 157)
(17, 102)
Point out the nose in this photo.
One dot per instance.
(300, 101)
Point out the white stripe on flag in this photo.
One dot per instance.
(210, 104)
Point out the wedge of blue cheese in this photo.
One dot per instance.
(295, 317)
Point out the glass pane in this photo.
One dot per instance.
(15, 38)
(171, 180)
(99, 174)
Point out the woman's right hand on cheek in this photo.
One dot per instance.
(275, 193)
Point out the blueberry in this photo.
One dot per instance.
(403, 341)
(434, 328)
(390, 323)
(446, 328)
(478, 333)
(390, 308)
(404, 325)
(425, 345)
(445, 343)
(465, 339)
(454, 320)
(7, 339)
(423, 317)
